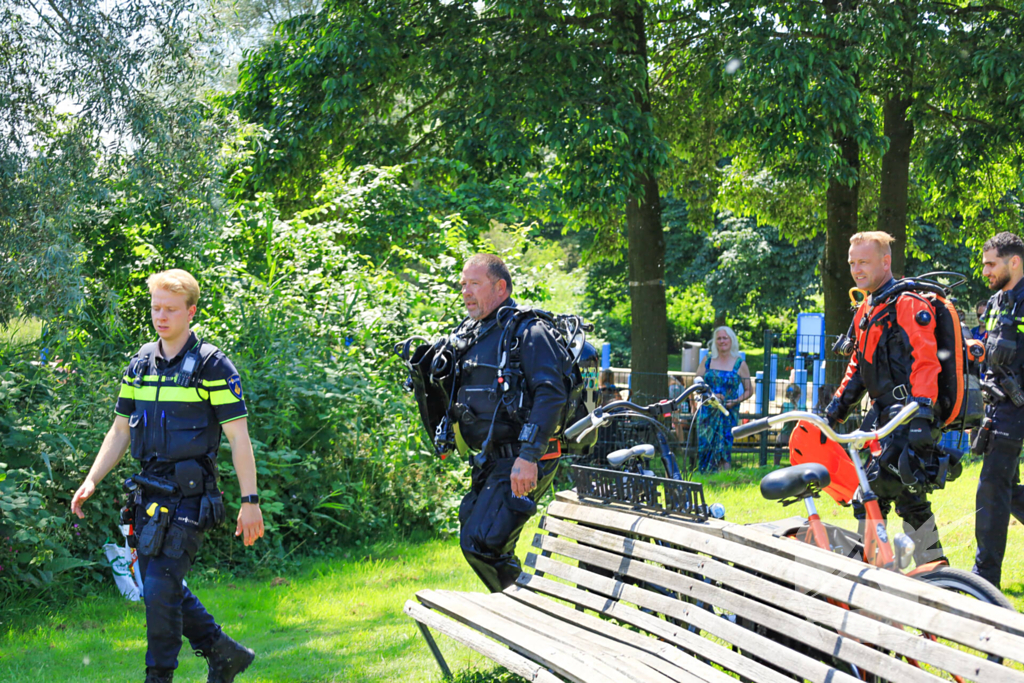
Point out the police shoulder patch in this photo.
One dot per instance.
(235, 385)
(923, 318)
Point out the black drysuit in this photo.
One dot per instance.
(504, 424)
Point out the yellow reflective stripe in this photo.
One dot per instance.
(179, 394)
(232, 419)
(151, 378)
(127, 391)
(215, 383)
(145, 393)
(223, 397)
(120, 414)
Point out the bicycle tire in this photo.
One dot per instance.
(966, 583)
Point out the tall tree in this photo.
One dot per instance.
(568, 91)
(92, 92)
(820, 80)
(796, 113)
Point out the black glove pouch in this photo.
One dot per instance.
(189, 476)
(151, 540)
(211, 510)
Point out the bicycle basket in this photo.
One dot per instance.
(809, 444)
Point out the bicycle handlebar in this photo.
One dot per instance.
(602, 414)
(858, 436)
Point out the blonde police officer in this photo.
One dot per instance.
(176, 398)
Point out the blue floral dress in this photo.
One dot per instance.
(714, 430)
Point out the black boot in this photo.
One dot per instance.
(227, 659)
(154, 675)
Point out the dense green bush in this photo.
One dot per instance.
(309, 318)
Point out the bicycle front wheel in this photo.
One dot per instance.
(971, 585)
(966, 583)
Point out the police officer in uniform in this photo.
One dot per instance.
(1001, 435)
(176, 398)
(895, 360)
(517, 458)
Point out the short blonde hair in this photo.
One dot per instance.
(713, 347)
(178, 281)
(880, 239)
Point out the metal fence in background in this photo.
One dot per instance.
(799, 373)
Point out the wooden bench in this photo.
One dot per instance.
(620, 595)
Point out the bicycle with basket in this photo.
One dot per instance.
(823, 466)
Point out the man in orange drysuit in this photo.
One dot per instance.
(895, 360)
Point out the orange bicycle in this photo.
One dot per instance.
(843, 476)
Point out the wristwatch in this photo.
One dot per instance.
(253, 498)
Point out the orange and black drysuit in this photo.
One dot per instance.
(895, 360)
(896, 355)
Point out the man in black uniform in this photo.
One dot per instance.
(1002, 432)
(177, 396)
(509, 414)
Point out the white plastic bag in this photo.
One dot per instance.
(125, 563)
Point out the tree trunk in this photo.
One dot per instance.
(720, 318)
(649, 331)
(841, 223)
(895, 178)
(842, 203)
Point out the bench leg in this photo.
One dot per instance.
(445, 671)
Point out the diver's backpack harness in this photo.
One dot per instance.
(953, 404)
(569, 332)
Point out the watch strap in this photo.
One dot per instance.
(252, 498)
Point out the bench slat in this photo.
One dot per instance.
(748, 640)
(514, 662)
(573, 664)
(851, 624)
(981, 636)
(631, 660)
(678, 635)
(659, 648)
(892, 583)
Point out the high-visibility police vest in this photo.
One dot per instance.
(169, 422)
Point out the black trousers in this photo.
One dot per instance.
(172, 611)
(1000, 493)
(491, 519)
(912, 507)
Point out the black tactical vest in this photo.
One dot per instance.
(170, 423)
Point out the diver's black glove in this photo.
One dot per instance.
(832, 413)
(920, 436)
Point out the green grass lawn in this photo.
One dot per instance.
(342, 620)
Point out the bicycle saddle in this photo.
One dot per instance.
(795, 482)
(644, 450)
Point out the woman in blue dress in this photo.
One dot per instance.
(729, 378)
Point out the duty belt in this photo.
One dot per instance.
(511, 450)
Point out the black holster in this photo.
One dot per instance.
(151, 541)
(982, 437)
